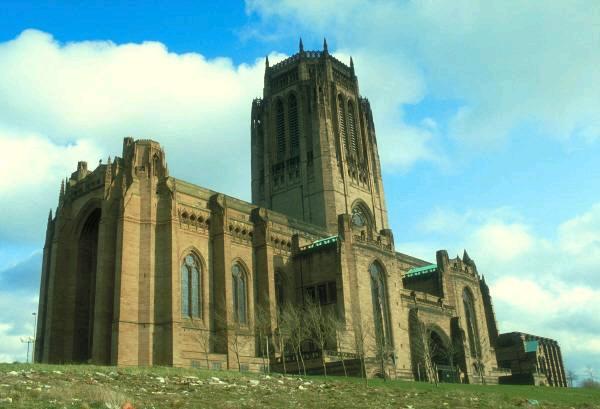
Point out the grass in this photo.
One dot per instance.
(85, 386)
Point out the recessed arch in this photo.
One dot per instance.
(87, 230)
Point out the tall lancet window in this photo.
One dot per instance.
(380, 305)
(293, 125)
(352, 130)
(280, 131)
(239, 287)
(471, 321)
(342, 122)
(191, 287)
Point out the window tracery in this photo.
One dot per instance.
(380, 305)
(191, 287)
(239, 294)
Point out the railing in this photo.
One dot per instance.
(317, 355)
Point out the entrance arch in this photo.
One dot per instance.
(85, 287)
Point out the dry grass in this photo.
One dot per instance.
(83, 386)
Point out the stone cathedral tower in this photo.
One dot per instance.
(314, 150)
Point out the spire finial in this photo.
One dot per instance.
(325, 45)
(351, 64)
(301, 46)
(50, 216)
(267, 61)
(61, 195)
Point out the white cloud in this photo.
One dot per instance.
(511, 64)
(60, 103)
(16, 323)
(580, 236)
(503, 242)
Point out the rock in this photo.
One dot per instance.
(533, 402)
(57, 372)
(302, 388)
(280, 381)
(254, 382)
(7, 400)
(13, 373)
(215, 379)
(160, 379)
(307, 383)
(267, 377)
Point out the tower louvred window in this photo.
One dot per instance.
(280, 131)
(352, 130)
(293, 125)
(342, 121)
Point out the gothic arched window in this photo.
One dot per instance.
(471, 321)
(293, 125)
(380, 304)
(280, 131)
(191, 286)
(352, 130)
(362, 218)
(239, 294)
(342, 122)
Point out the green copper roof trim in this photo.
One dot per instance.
(320, 243)
(419, 271)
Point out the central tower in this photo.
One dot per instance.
(314, 150)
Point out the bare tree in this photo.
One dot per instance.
(339, 328)
(382, 348)
(291, 326)
(361, 335)
(203, 339)
(590, 372)
(320, 330)
(262, 329)
(571, 377)
(236, 335)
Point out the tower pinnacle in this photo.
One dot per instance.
(301, 46)
(325, 45)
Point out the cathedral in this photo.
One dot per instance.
(141, 268)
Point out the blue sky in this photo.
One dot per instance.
(487, 116)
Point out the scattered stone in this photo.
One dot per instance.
(7, 400)
(302, 388)
(215, 379)
(533, 402)
(254, 382)
(280, 381)
(12, 373)
(57, 372)
(160, 379)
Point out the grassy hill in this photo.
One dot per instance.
(84, 386)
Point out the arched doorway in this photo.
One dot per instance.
(443, 357)
(85, 285)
